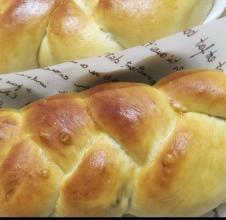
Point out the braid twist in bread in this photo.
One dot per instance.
(38, 33)
(118, 148)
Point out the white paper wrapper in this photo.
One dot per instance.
(200, 47)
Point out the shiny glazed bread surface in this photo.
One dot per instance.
(118, 148)
(38, 33)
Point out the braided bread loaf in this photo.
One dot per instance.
(118, 148)
(37, 33)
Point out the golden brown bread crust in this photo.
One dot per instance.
(60, 131)
(127, 115)
(29, 182)
(101, 183)
(118, 148)
(139, 21)
(190, 91)
(23, 24)
(63, 30)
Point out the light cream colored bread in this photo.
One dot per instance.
(38, 33)
(118, 148)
